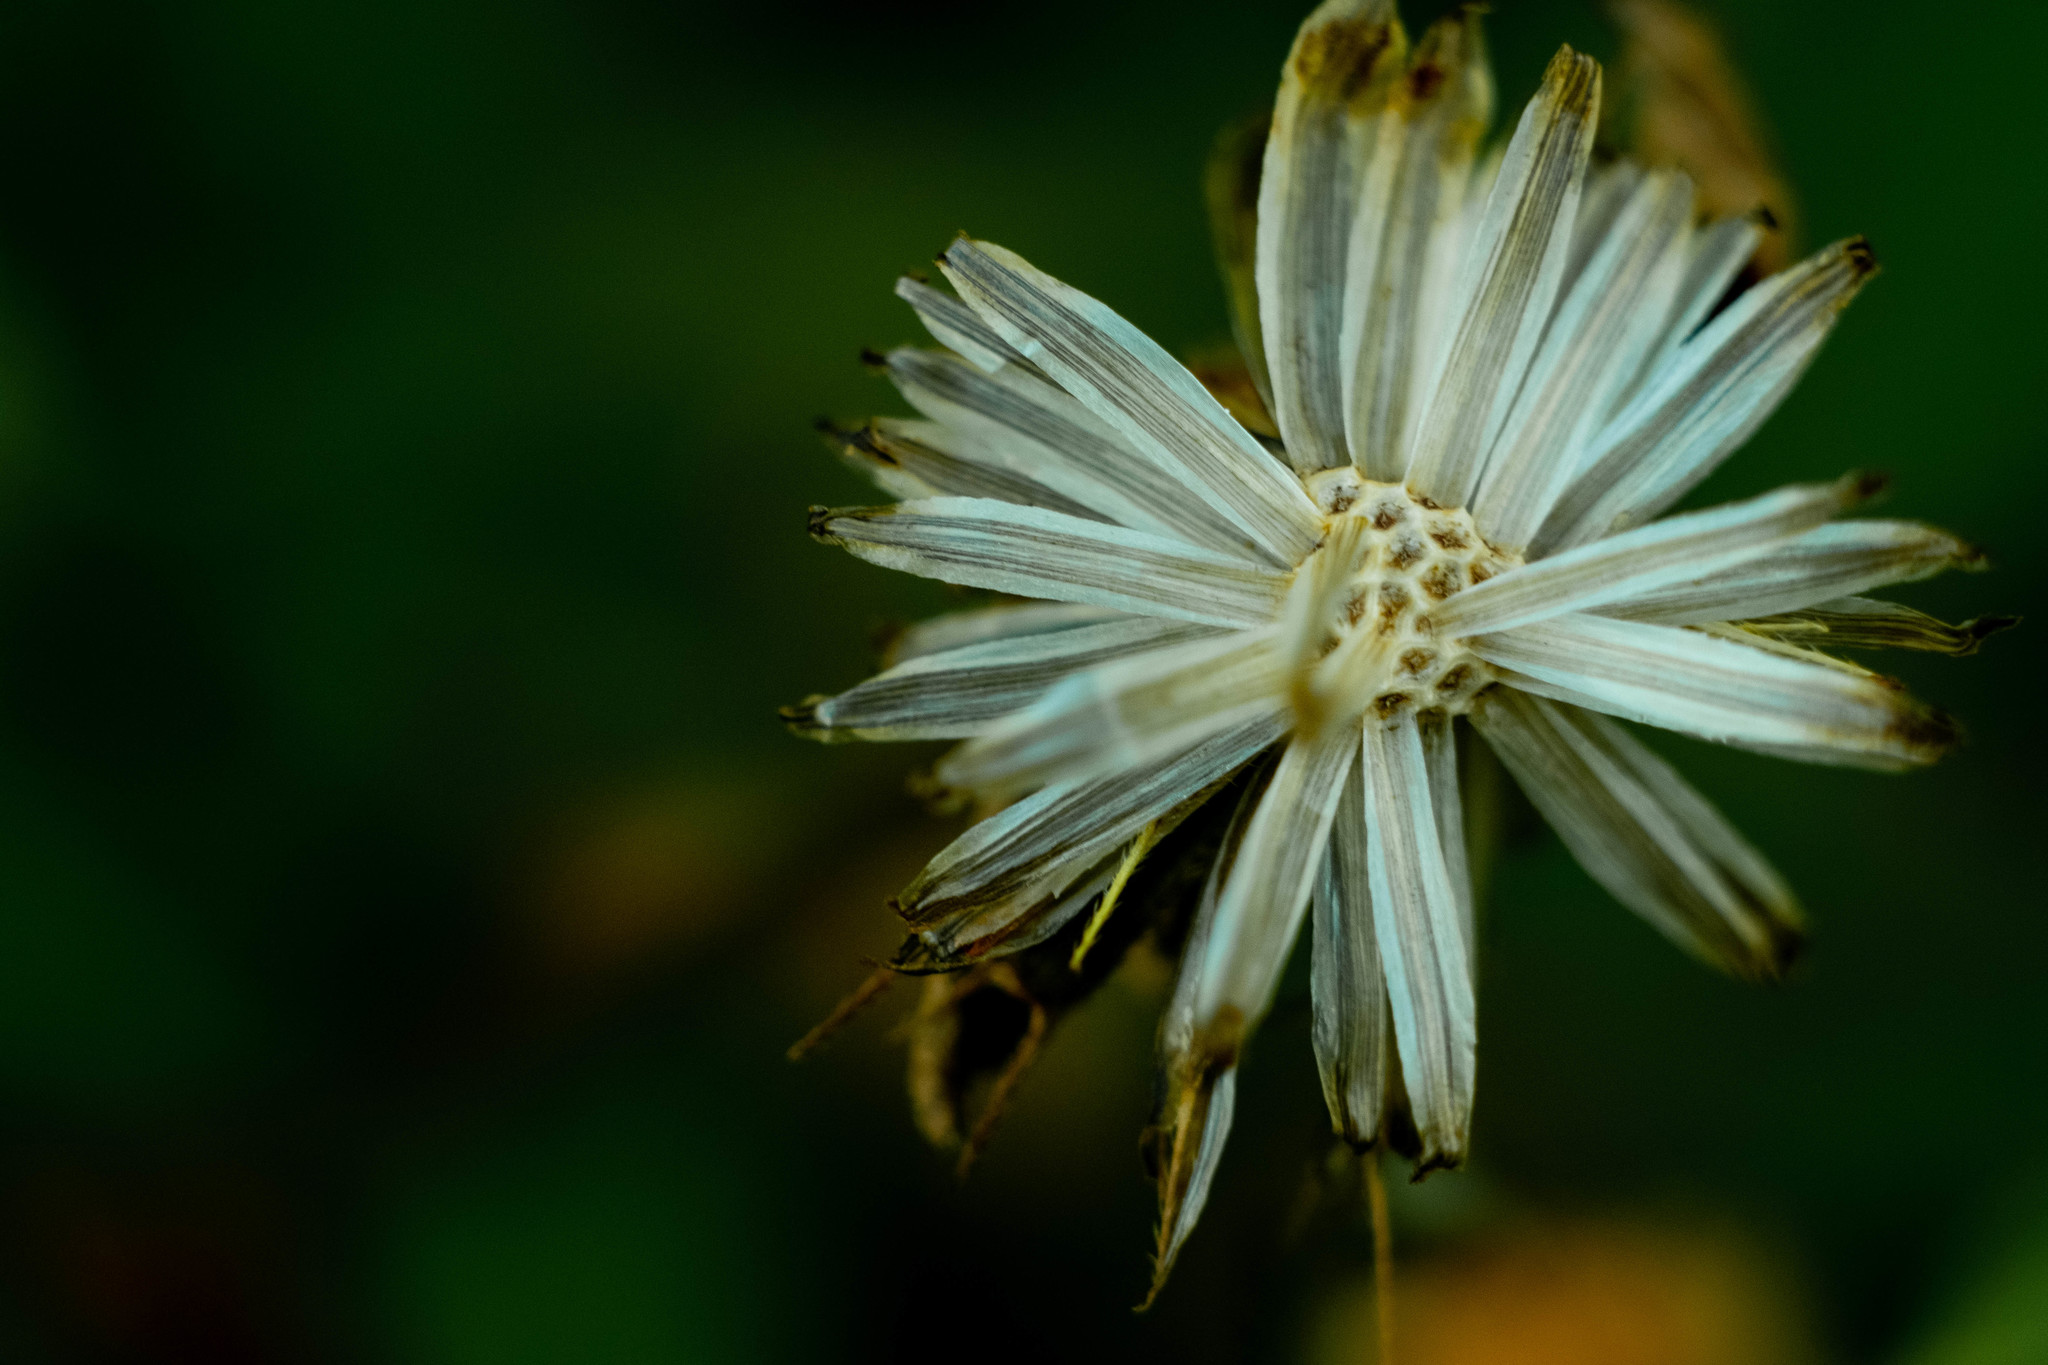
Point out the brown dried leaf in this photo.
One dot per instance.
(1680, 102)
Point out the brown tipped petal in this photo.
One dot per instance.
(961, 692)
(1130, 382)
(1333, 94)
(1405, 238)
(1352, 1029)
(1827, 562)
(911, 460)
(1642, 832)
(1422, 944)
(1021, 421)
(1720, 689)
(1601, 336)
(1517, 258)
(1198, 1085)
(1202, 1110)
(1639, 562)
(1706, 399)
(1032, 552)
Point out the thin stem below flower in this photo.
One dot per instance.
(878, 981)
(1382, 1255)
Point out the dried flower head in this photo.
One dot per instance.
(1254, 643)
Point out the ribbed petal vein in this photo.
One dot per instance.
(1035, 553)
(1719, 689)
(1422, 944)
(1130, 382)
(1645, 834)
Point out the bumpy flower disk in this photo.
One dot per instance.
(1410, 556)
(1224, 704)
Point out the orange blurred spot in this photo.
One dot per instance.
(1589, 1293)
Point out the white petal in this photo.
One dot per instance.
(1706, 399)
(1031, 905)
(1124, 714)
(1422, 946)
(1019, 419)
(860, 449)
(1413, 192)
(1037, 847)
(1510, 280)
(1268, 889)
(1719, 689)
(958, 629)
(1352, 1028)
(1608, 190)
(1333, 93)
(962, 691)
(1714, 258)
(1440, 755)
(1609, 319)
(1130, 382)
(1197, 1088)
(1641, 831)
(1639, 562)
(924, 460)
(1827, 562)
(1442, 303)
(1035, 553)
(1178, 1025)
(956, 326)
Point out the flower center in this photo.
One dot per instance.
(1361, 604)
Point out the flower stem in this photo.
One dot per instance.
(1382, 1255)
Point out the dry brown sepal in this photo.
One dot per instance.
(1892, 627)
(1228, 379)
(1678, 101)
(984, 1016)
(1171, 1148)
(1231, 186)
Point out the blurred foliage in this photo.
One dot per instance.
(1994, 1313)
(406, 893)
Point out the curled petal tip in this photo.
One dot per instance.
(1787, 947)
(1981, 628)
(1927, 735)
(1186, 1153)
(1860, 486)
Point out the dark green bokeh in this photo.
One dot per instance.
(403, 455)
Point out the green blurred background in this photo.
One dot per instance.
(406, 892)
